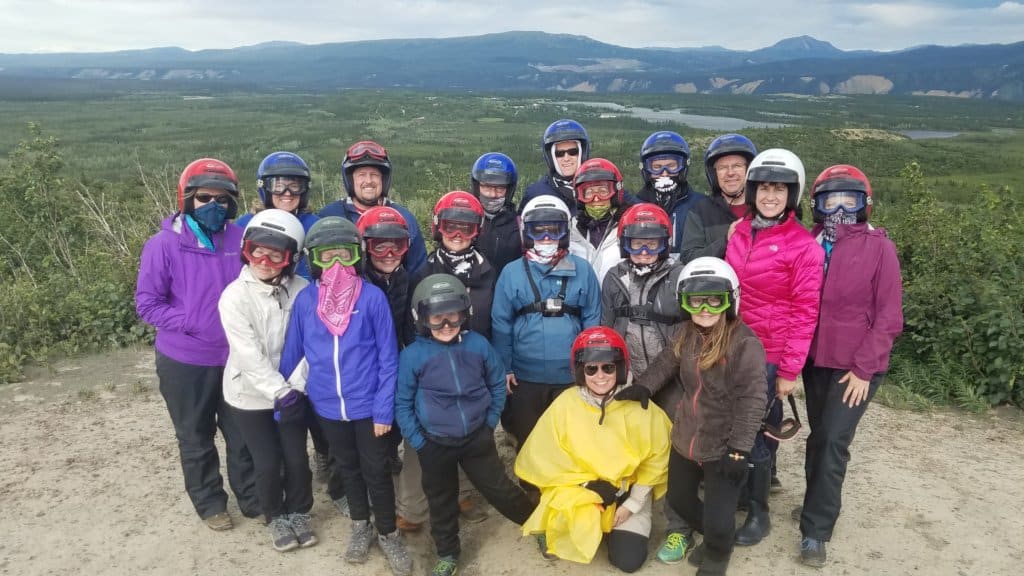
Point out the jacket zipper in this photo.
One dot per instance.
(700, 388)
(337, 382)
(458, 390)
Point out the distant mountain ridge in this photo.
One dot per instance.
(538, 61)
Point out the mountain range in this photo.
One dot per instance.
(537, 61)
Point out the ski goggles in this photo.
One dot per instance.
(649, 246)
(788, 428)
(366, 148)
(281, 185)
(591, 191)
(713, 302)
(325, 256)
(591, 369)
(387, 247)
(265, 255)
(659, 164)
(447, 319)
(545, 230)
(848, 201)
(458, 228)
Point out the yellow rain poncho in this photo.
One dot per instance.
(568, 447)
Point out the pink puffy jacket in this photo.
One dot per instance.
(780, 271)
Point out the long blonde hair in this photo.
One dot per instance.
(709, 345)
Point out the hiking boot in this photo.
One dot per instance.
(342, 505)
(812, 552)
(696, 557)
(674, 549)
(796, 513)
(406, 525)
(542, 543)
(446, 566)
(281, 534)
(219, 522)
(359, 542)
(471, 513)
(397, 554)
(301, 525)
(320, 468)
(758, 523)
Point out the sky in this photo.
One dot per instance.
(106, 25)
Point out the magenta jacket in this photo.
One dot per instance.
(861, 303)
(780, 270)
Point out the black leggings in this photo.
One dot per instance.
(714, 517)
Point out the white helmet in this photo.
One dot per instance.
(276, 229)
(545, 208)
(709, 274)
(776, 165)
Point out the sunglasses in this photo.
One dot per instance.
(714, 303)
(366, 148)
(546, 230)
(567, 151)
(645, 246)
(595, 191)
(591, 369)
(265, 255)
(344, 254)
(788, 428)
(222, 199)
(453, 228)
(387, 247)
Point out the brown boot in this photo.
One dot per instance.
(407, 526)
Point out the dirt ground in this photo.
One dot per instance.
(91, 484)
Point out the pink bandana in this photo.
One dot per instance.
(339, 289)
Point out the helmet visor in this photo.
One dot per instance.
(847, 201)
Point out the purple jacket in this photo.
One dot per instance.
(179, 286)
(861, 302)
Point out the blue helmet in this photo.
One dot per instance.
(665, 144)
(725, 145)
(562, 131)
(282, 164)
(497, 169)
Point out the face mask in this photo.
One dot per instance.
(545, 252)
(834, 220)
(597, 212)
(665, 184)
(211, 217)
(492, 205)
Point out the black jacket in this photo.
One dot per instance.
(398, 291)
(499, 239)
(707, 226)
(480, 282)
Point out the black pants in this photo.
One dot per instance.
(335, 485)
(627, 551)
(714, 517)
(362, 459)
(833, 425)
(524, 406)
(195, 401)
(484, 468)
(272, 444)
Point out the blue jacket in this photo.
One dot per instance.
(680, 210)
(417, 254)
(447, 391)
(353, 376)
(307, 219)
(534, 347)
(178, 288)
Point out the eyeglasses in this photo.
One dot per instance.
(326, 256)
(567, 151)
(387, 247)
(222, 199)
(449, 319)
(714, 302)
(278, 187)
(734, 167)
(545, 230)
(847, 201)
(453, 228)
(590, 191)
(661, 163)
(591, 369)
(788, 428)
(265, 255)
(645, 246)
(366, 148)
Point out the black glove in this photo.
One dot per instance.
(606, 490)
(734, 466)
(290, 407)
(638, 393)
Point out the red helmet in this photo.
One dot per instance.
(384, 231)
(600, 344)
(644, 220)
(207, 173)
(461, 209)
(598, 170)
(366, 153)
(842, 178)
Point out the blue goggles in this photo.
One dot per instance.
(545, 230)
(665, 164)
(848, 201)
(648, 246)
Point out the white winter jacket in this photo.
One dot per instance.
(255, 317)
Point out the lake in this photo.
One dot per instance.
(714, 123)
(926, 134)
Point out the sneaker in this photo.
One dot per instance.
(542, 543)
(406, 525)
(320, 469)
(219, 522)
(812, 552)
(674, 549)
(471, 513)
(342, 505)
(359, 542)
(696, 558)
(301, 525)
(796, 513)
(446, 566)
(397, 554)
(281, 534)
